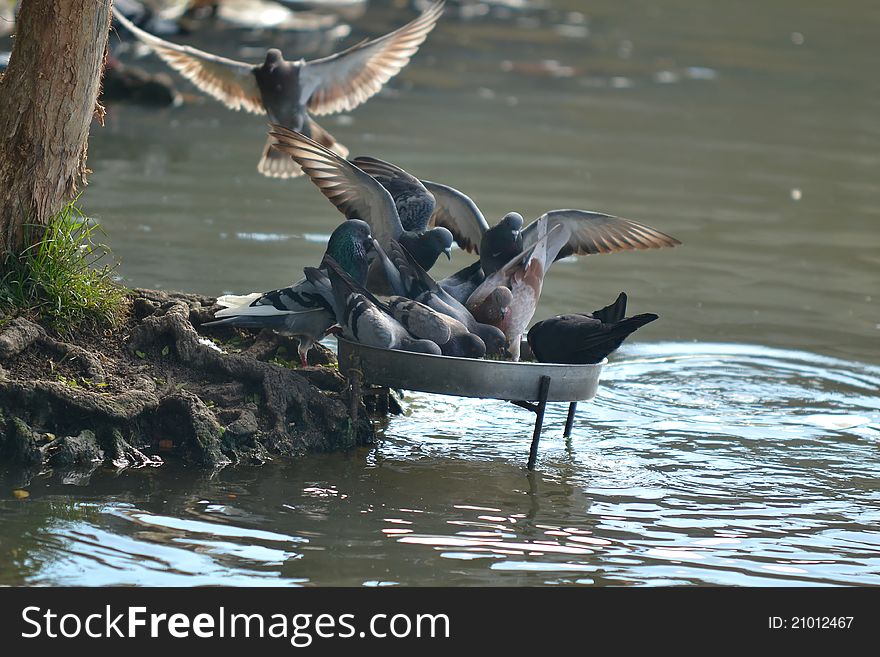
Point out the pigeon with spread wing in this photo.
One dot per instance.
(291, 91)
(359, 195)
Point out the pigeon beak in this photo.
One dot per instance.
(372, 248)
(448, 252)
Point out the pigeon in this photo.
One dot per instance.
(423, 321)
(360, 318)
(358, 195)
(507, 299)
(453, 337)
(589, 232)
(289, 91)
(592, 232)
(584, 338)
(301, 310)
(415, 283)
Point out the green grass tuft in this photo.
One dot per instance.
(63, 279)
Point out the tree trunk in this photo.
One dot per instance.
(48, 97)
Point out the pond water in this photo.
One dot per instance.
(732, 442)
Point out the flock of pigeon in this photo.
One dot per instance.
(372, 285)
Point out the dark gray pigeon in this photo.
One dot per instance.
(584, 338)
(289, 91)
(414, 203)
(589, 232)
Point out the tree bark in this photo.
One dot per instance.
(48, 97)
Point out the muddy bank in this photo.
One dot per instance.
(161, 387)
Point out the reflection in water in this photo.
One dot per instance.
(716, 464)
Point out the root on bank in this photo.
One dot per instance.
(161, 387)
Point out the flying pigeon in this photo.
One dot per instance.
(291, 91)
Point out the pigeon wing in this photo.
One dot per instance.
(355, 194)
(595, 232)
(459, 214)
(346, 79)
(229, 81)
(392, 177)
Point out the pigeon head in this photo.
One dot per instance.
(273, 58)
(426, 247)
(350, 245)
(512, 221)
(501, 243)
(444, 240)
(441, 240)
(497, 305)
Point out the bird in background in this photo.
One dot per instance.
(585, 338)
(359, 195)
(291, 91)
(300, 310)
(362, 318)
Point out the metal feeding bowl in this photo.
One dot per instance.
(469, 377)
(527, 384)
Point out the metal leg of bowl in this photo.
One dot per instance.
(538, 410)
(355, 377)
(569, 421)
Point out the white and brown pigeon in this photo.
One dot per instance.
(508, 298)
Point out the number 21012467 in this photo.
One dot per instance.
(810, 622)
